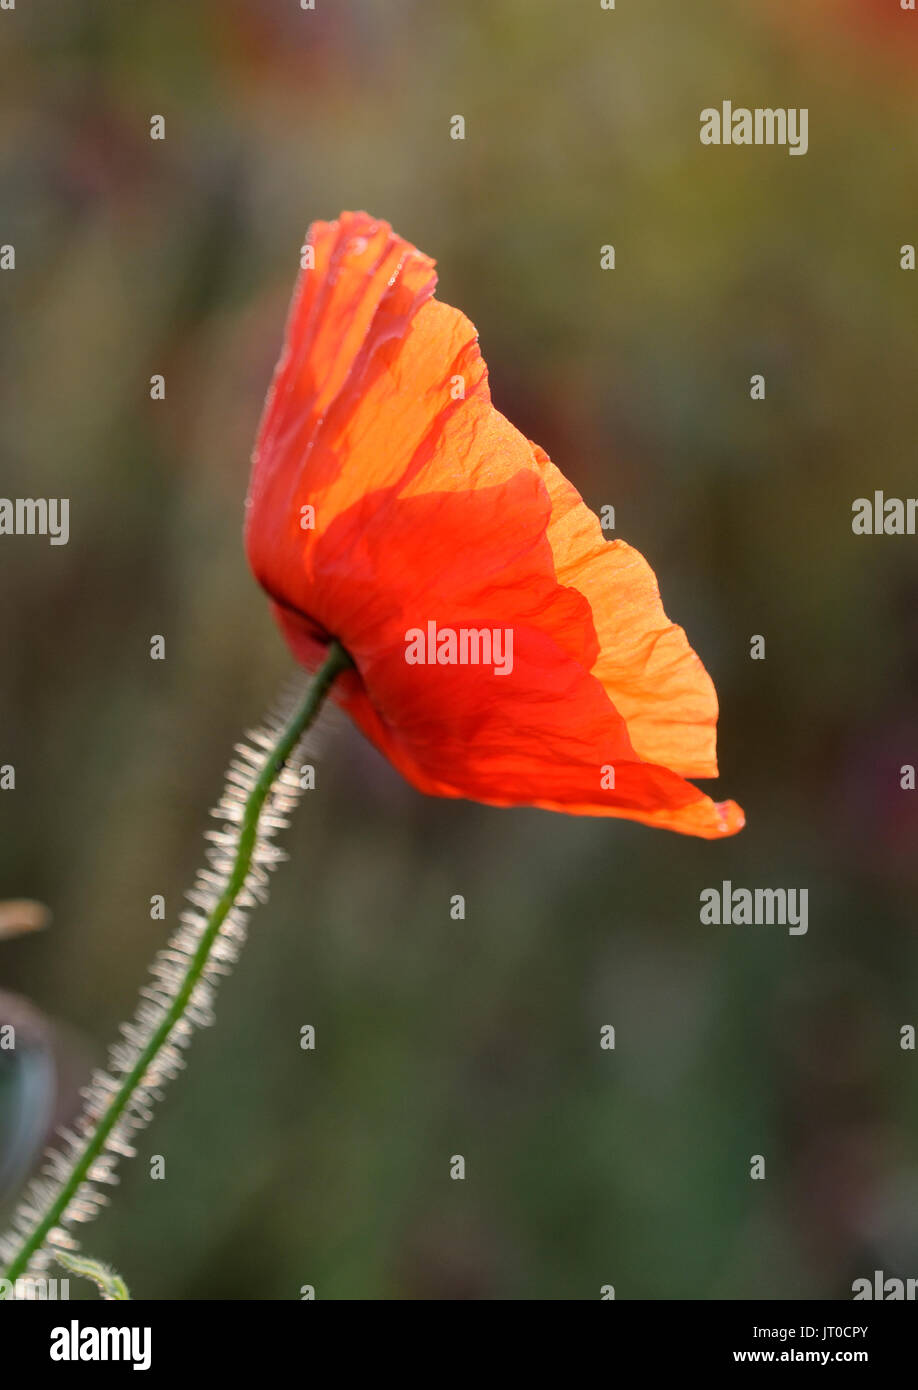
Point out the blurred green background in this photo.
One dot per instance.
(481, 1037)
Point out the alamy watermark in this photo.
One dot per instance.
(36, 1289)
(884, 516)
(77, 1343)
(36, 516)
(883, 1289)
(786, 125)
(729, 906)
(462, 646)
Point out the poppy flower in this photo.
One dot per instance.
(393, 508)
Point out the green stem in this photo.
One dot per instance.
(335, 662)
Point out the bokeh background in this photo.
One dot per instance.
(481, 1037)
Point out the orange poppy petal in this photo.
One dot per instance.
(428, 506)
(645, 663)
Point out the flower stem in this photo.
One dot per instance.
(89, 1152)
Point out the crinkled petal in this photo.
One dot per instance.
(389, 494)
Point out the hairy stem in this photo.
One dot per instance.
(81, 1162)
